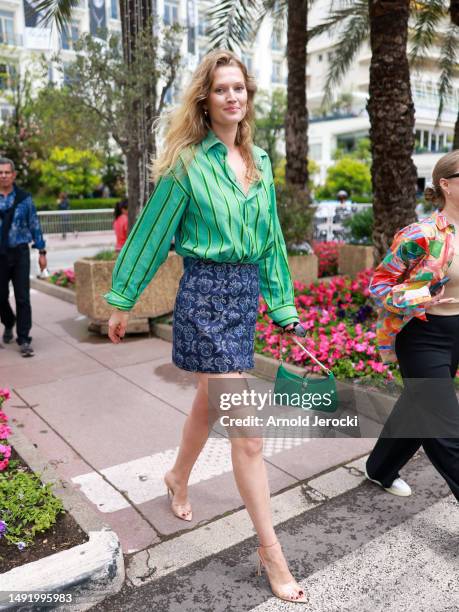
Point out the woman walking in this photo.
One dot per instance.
(421, 322)
(215, 192)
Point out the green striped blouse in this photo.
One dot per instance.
(211, 218)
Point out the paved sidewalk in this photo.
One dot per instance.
(81, 240)
(110, 417)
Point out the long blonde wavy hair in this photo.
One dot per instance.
(187, 125)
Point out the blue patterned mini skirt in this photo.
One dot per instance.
(214, 316)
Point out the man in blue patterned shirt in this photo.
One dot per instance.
(19, 225)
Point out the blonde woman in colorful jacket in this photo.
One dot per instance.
(215, 193)
(416, 287)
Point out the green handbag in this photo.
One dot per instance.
(304, 392)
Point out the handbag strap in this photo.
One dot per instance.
(305, 350)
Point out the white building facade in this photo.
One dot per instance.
(21, 40)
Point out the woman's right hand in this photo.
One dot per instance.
(438, 299)
(117, 325)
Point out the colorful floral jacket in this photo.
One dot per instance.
(420, 255)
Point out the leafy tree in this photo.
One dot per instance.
(64, 121)
(144, 63)
(77, 172)
(102, 82)
(349, 174)
(19, 134)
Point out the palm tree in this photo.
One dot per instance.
(234, 24)
(355, 25)
(391, 112)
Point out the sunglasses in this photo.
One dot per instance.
(456, 174)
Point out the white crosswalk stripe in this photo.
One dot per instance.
(142, 479)
(412, 562)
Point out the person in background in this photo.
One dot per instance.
(120, 224)
(64, 204)
(342, 197)
(19, 225)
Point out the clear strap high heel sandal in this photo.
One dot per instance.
(289, 591)
(179, 510)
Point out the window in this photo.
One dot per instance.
(170, 13)
(7, 74)
(276, 74)
(7, 28)
(247, 61)
(329, 56)
(114, 12)
(320, 57)
(68, 39)
(277, 38)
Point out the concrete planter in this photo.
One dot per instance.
(304, 268)
(94, 280)
(352, 258)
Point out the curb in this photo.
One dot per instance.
(87, 573)
(59, 292)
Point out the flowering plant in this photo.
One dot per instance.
(341, 321)
(5, 431)
(63, 278)
(327, 253)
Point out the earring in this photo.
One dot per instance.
(448, 192)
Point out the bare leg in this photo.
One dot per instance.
(252, 482)
(194, 436)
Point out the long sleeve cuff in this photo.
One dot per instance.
(283, 315)
(119, 301)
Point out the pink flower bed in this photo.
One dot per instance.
(327, 253)
(5, 431)
(340, 318)
(63, 278)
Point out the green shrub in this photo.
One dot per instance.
(360, 225)
(28, 506)
(349, 174)
(108, 255)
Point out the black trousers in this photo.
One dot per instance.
(15, 266)
(425, 350)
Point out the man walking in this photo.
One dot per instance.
(19, 225)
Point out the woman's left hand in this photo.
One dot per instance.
(289, 327)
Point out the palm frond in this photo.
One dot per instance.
(448, 65)
(58, 12)
(233, 23)
(355, 32)
(427, 18)
(337, 17)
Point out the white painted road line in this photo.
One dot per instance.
(415, 561)
(142, 479)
